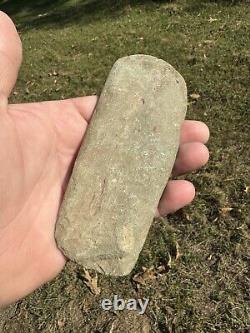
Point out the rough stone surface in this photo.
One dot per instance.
(123, 165)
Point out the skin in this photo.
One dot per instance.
(39, 143)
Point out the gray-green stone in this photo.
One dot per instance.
(123, 165)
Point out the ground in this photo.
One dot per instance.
(201, 284)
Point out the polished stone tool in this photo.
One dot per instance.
(123, 165)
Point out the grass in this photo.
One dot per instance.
(69, 48)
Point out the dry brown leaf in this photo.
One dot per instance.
(161, 269)
(225, 210)
(176, 251)
(91, 282)
(187, 216)
(211, 20)
(169, 261)
(152, 273)
(144, 277)
(195, 96)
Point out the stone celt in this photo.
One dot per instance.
(123, 165)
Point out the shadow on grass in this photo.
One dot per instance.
(196, 5)
(31, 14)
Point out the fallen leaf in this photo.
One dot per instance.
(91, 282)
(211, 20)
(195, 96)
(144, 277)
(247, 189)
(176, 251)
(161, 269)
(169, 261)
(225, 210)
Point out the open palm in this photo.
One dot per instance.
(38, 146)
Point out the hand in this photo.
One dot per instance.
(39, 142)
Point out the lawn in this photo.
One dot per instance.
(201, 284)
